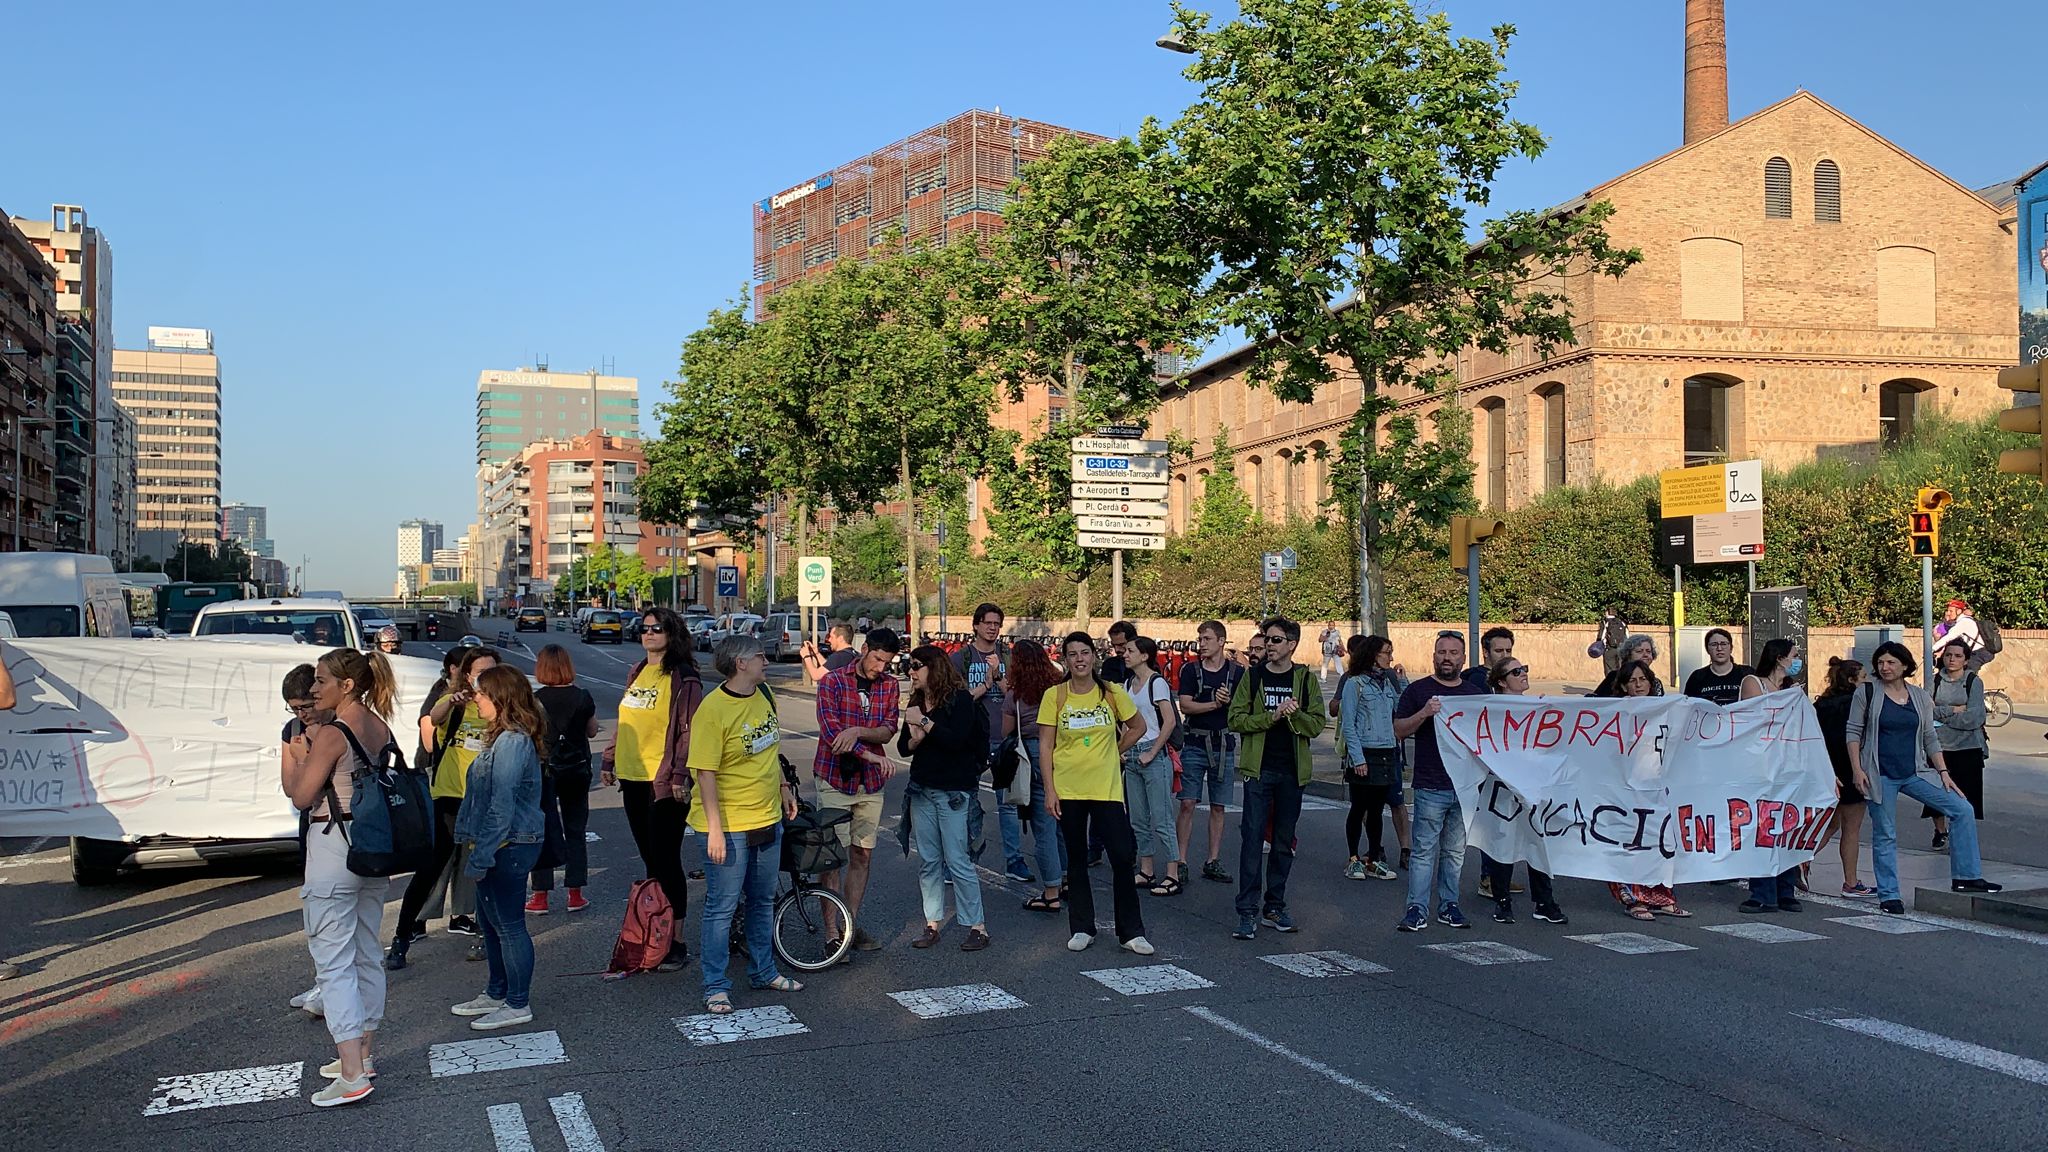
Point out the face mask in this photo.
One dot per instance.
(1795, 667)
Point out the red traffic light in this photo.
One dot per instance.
(1923, 522)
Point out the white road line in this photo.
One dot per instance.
(1484, 952)
(578, 1133)
(1632, 943)
(1323, 965)
(1891, 925)
(1379, 1096)
(1760, 933)
(1961, 1051)
(496, 1054)
(2037, 939)
(508, 1128)
(762, 1023)
(221, 1089)
(960, 1000)
(1149, 979)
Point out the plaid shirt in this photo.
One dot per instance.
(840, 706)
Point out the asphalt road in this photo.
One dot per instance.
(1347, 1034)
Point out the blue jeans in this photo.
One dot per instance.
(1275, 794)
(1963, 863)
(1148, 797)
(501, 909)
(748, 872)
(1007, 821)
(1438, 838)
(938, 818)
(1208, 766)
(1046, 840)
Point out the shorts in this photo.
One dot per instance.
(860, 832)
(1202, 773)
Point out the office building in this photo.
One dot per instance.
(88, 464)
(557, 500)
(516, 408)
(173, 390)
(249, 526)
(418, 540)
(28, 354)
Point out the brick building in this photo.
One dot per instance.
(1807, 289)
(557, 500)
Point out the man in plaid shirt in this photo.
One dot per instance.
(856, 717)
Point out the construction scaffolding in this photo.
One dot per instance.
(940, 184)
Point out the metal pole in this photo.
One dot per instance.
(1927, 619)
(942, 577)
(17, 483)
(770, 582)
(1116, 584)
(1677, 613)
(1472, 601)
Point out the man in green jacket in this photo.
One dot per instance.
(1277, 711)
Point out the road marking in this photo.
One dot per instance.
(1891, 925)
(222, 1089)
(1758, 933)
(1379, 1096)
(1148, 980)
(1323, 965)
(2037, 939)
(508, 1128)
(1961, 1051)
(496, 1054)
(960, 1000)
(762, 1023)
(578, 1133)
(1632, 943)
(1485, 952)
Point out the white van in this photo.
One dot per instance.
(63, 594)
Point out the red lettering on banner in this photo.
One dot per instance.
(1509, 727)
(1642, 726)
(1482, 731)
(1703, 833)
(1552, 723)
(1766, 823)
(1583, 727)
(1612, 730)
(1739, 816)
(1685, 827)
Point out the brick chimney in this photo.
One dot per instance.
(1706, 69)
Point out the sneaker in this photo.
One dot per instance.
(475, 953)
(1414, 921)
(864, 942)
(1378, 870)
(1021, 874)
(1355, 870)
(342, 1092)
(537, 904)
(677, 957)
(1213, 870)
(483, 1005)
(395, 958)
(1450, 917)
(332, 1069)
(1892, 907)
(301, 999)
(1940, 841)
(977, 939)
(1791, 904)
(1550, 914)
(464, 925)
(1095, 859)
(1859, 891)
(1246, 928)
(576, 902)
(1752, 907)
(1279, 921)
(1080, 941)
(315, 1006)
(1503, 912)
(1975, 885)
(1515, 886)
(1140, 945)
(1486, 887)
(505, 1017)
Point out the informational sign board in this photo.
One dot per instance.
(1155, 509)
(814, 581)
(1113, 446)
(1289, 559)
(1713, 514)
(1140, 468)
(1142, 525)
(728, 580)
(1273, 567)
(1136, 491)
(1135, 542)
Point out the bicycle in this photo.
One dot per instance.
(1997, 707)
(805, 913)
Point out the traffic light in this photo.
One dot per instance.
(1467, 531)
(1923, 531)
(1935, 500)
(2025, 461)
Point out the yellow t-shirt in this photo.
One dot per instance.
(451, 776)
(643, 726)
(1085, 762)
(739, 738)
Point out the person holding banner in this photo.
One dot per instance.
(1776, 666)
(1831, 708)
(1437, 828)
(1635, 678)
(1510, 677)
(1891, 734)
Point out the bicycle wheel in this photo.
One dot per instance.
(1997, 708)
(803, 938)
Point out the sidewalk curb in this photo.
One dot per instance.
(2026, 910)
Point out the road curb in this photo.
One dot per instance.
(2026, 910)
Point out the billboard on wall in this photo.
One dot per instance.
(2032, 219)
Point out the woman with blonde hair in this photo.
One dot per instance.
(501, 824)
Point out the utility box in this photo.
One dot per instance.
(1869, 636)
(1779, 613)
(1692, 652)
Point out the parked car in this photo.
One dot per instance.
(531, 620)
(782, 635)
(373, 621)
(700, 630)
(604, 624)
(7, 631)
(733, 624)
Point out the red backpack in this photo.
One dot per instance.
(649, 928)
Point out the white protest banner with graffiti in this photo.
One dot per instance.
(115, 739)
(1650, 790)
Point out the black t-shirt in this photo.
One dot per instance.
(569, 711)
(1114, 671)
(1199, 684)
(840, 658)
(1277, 688)
(1722, 690)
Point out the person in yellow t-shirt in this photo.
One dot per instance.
(455, 727)
(1084, 726)
(648, 758)
(741, 801)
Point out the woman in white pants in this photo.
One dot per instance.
(343, 910)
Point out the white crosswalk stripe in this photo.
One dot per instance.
(225, 1088)
(1485, 952)
(508, 1128)
(1322, 965)
(1891, 925)
(1760, 933)
(961, 1000)
(1962, 1051)
(1147, 980)
(763, 1023)
(495, 1054)
(1632, 943)
(509, 1132)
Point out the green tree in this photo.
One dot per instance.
(463, 590)
(1331, 165)
(1031, 529)
(1224, 510)
(607, 568)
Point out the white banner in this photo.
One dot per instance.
(1658, 790)
(126, 738)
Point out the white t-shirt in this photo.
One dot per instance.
(1156, 694)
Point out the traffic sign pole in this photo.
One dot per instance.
(1927, 620)
(1116, 584)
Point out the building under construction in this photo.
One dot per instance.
(942, 183)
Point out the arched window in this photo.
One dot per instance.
(1319, 491)
(1284, 484)
(1255, 485)
(1898, 402)
(1548, 404)
(1494, 474)
(1827, 192)
(1777, 189)
(1713, 420)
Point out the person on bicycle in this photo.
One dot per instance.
(741, 800)
(945, 734)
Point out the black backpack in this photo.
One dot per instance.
(1987, 631)
(390, 826)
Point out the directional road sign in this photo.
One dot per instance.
(1111, 446)
(1152, 508)
(1289, 559)
(1138, 491)
(1141, 468)
(1142, 525)
(814, 581)
(728, 580)
(1139, 542)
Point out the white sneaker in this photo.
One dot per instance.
(313, 1005)
(332, 1069)
(342, 1092)
(1079, 942)
(481, 1006)
(1140, 945)
(503, 1016)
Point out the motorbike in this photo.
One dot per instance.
(433, 628)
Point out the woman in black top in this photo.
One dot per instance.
(572, 721)
(945, 734)
(1832, 707)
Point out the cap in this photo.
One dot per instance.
(1959, 604)
(387, 632)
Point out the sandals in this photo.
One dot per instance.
(1167, 887)
(1673, 911)
(1042, 903)
(780, 984)
(1144, 879)
(1640, 912)
(718, 1004)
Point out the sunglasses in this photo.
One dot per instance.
(1273, 639)
(917, 665)
(1524, 671)
(654, 629)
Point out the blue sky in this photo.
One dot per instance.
(369, 203)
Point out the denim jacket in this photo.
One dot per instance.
(500, 801)
(1367, 714)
